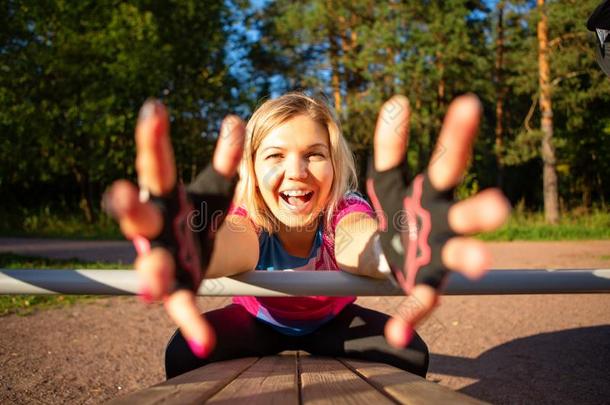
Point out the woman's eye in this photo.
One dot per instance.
(317, 155)
(274, 156)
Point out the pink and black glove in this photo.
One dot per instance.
(191, 218)
(413, 225)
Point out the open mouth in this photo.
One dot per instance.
(296, 199)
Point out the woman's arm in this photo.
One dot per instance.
(236, 248)
(357, 248)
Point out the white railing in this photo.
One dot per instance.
(303, 283)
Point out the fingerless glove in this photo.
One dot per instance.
(413, 225)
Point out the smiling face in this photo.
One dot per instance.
(294, 171)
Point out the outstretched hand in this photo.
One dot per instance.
(422, 228)
(158, 211)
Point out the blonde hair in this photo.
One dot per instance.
(273, 113)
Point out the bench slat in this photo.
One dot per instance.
(407, 388)
(271, 380)
(294, 378)
(326, 380)
(193, 387)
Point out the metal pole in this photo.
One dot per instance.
(300, 283)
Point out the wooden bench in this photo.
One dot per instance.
(296, 378)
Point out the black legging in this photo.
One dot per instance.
(357, 333)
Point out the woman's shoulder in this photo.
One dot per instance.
(239, 210)
(238, 213)
(352, 197)
(351, 202)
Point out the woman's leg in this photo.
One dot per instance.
(357, 332)
(238, 334)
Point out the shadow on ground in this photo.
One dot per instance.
(569, 366)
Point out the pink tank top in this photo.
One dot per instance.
(301, 315)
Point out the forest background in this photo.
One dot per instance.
(73, 75)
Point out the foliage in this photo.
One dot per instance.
(74, 75)
(361, 52)
(580, 92)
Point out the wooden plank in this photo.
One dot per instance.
(193, 387)
(271, 380)
(405, 387)
(325, 380)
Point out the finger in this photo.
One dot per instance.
(392, 133)
(155, 157)
(230, 146)
(156, 270)
(454, 144)
(135, 217)
(467, 256)
(484, 212)
(399, 329)
(195, 329)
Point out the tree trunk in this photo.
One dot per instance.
(335, 80)
(388, 79)
(334, 57)
(86, 197)
(551, 203)
(362, 157)
(440, 90)
(500, 92)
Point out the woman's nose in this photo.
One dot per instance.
(295, 168)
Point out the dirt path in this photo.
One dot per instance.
(503, 349)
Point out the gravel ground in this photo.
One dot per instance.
(502, 349)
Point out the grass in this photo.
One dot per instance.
(572, 226)
(523, 225)
(46, 223)
(28, 304)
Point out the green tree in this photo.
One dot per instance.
(75, 74)
(578, 89)
(362, 52)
